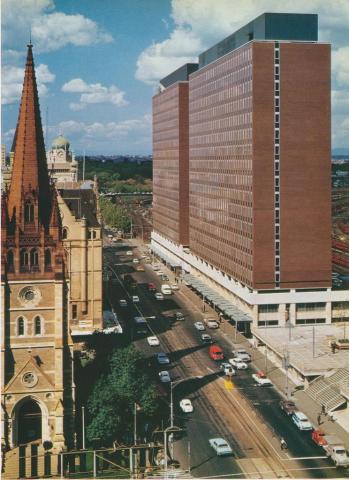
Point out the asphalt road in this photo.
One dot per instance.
(247, 416)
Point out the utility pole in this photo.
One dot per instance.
(83, 427)
(313, 341)
(286, 360)
(83, 167)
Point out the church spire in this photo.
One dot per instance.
(30, 180)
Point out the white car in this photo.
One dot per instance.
(174, 286)
(153, 341)
(186, 405)
(238, 364)
(156, 267)
(135, 260)
(159, 296)
(129, 253)
(164, 376)
(220, 446)
(199, 326)
(211, 323)
(242, 355)
(261, 380)
(227, 369)
(301, 421)
(162, 358)
(123, 303)
(135, 298)
(180, 316)
(159, 273)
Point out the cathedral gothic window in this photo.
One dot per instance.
(34, 258)
(47, 259)
(10, 261)
(28, 212)
(20, 326)
(37, 326)
(24, 258)
(64, 233)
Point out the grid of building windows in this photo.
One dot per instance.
(220, 165)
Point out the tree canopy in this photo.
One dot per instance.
(114, 215)
(111, 403)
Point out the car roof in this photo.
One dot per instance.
(301, 415)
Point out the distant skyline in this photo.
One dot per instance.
(98, 63)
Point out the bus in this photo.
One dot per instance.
(130, 282)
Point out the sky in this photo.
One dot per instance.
(98, 62)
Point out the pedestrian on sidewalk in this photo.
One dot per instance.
(323, 410)
(283, 444)
(319, 419)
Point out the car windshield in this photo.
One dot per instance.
(222, 444)
(340, 452)
(305, 420)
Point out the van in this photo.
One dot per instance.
(166, 289)
(215, 352)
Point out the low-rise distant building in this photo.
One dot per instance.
(61, 162)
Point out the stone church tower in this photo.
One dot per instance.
(37, 384)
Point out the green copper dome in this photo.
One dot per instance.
(60, 142)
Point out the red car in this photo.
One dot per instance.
(216, 353)
(151, 287)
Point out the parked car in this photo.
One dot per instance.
(139, 268)
(220, 446)
(211, 323)
(174, 286)
(238, 364)
(301, 421)
(135, 260)
(159, 273)
(261, 379)
(159, 296)
(215, 352)
(153, 341)
(123, 303)
(186, 405)
(135, 298)
(205, 338)
(242, 355)
(156, 267)
(129, 253)
(165, 278)
(180, 316)
(151, 287)
(227, 369)
(164, 376)
(288, 406)
(199, 326)
(162, 358)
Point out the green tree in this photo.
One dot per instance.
(112, 400)
(114, 215)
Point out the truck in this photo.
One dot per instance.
(333, 447)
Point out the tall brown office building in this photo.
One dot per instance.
(171, 157)
(259, 156)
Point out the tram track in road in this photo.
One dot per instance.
(223, 410)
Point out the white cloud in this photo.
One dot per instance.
(50, 30)
(126, 136)
(12, 82)
(340, 66)
(104, 131)
(200, 24)
(94, 93)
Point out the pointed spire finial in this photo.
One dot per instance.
(30, 37)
